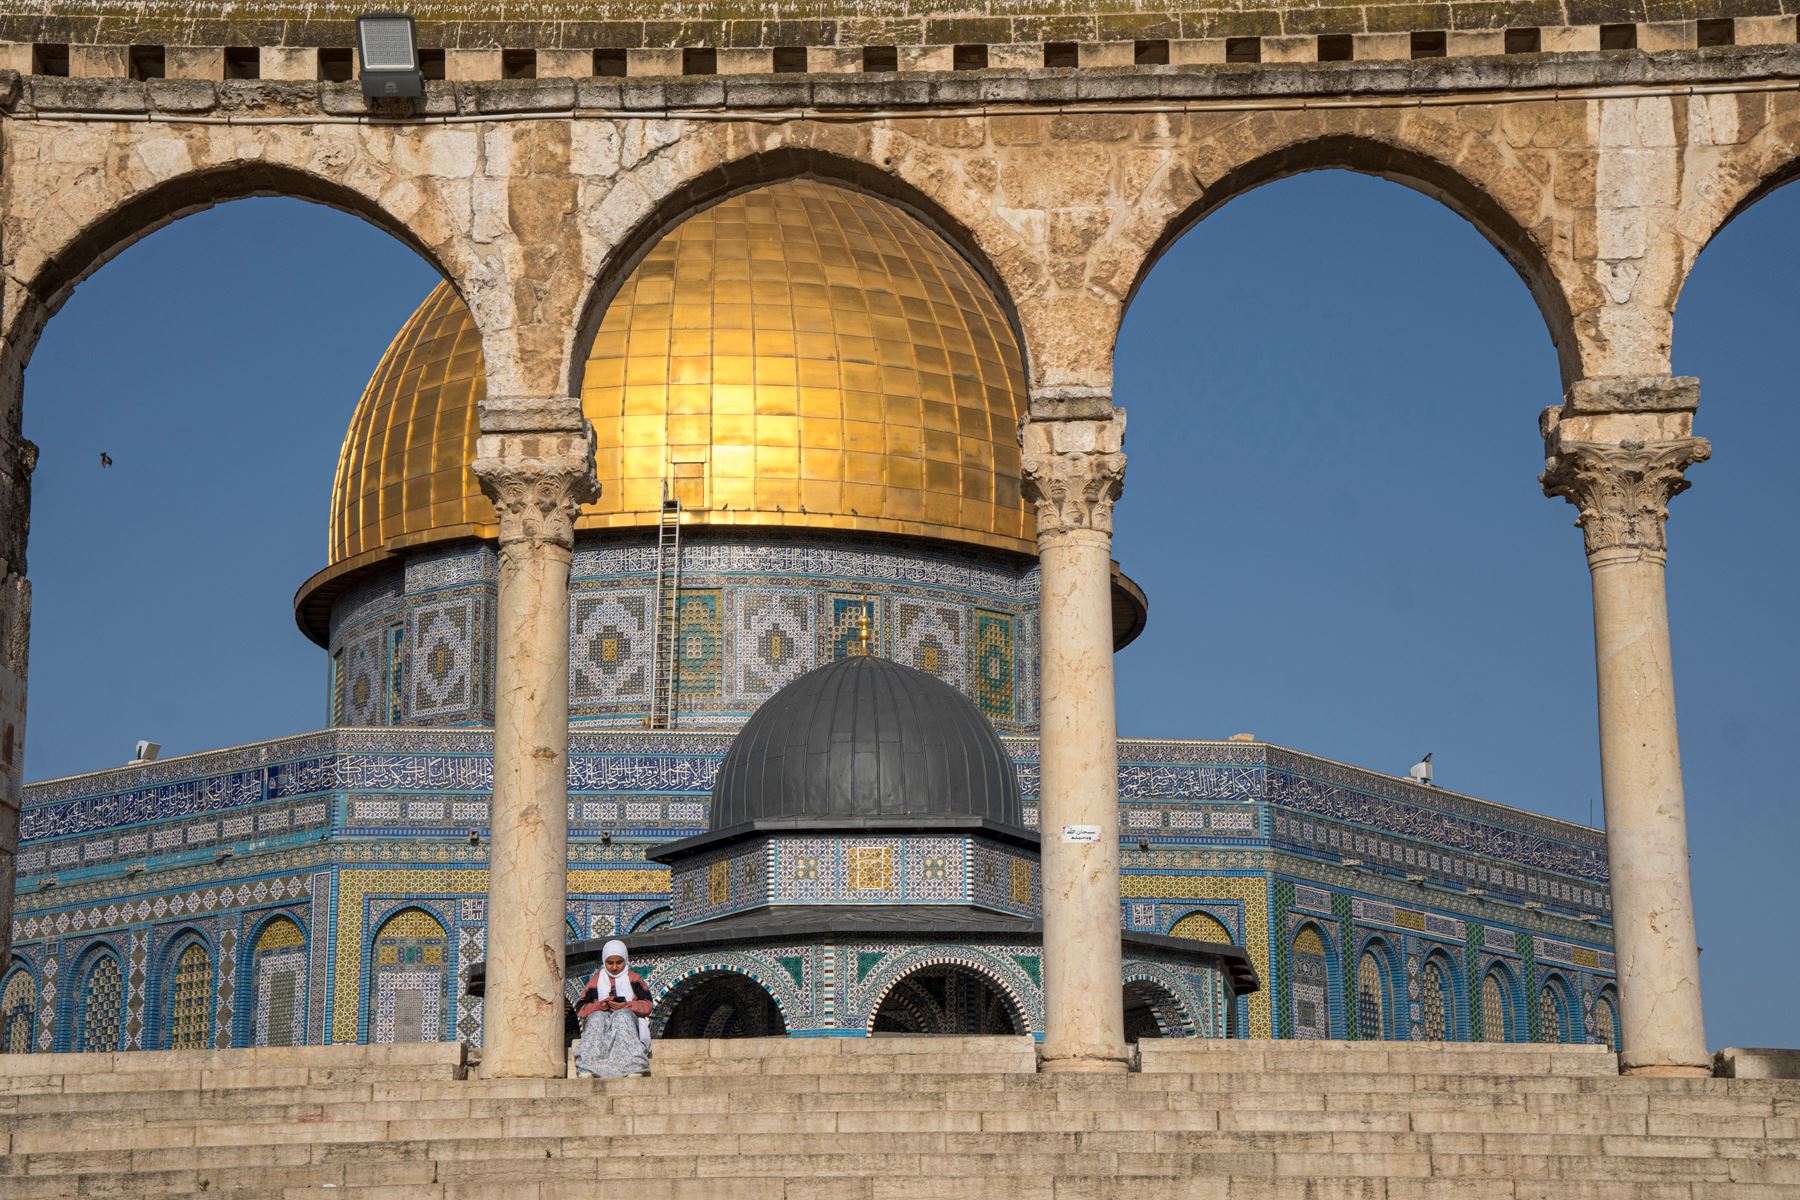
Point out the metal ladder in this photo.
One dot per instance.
(664, 636)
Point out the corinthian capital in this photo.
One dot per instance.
(1073, 472)
(1622, 489)
(538, 482)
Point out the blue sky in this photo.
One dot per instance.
(1333, 384)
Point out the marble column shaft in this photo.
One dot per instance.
(1617, 450)
(537, 479)
(1074, 470)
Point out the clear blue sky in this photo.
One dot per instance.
(1333, 384)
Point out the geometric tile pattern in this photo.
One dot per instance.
(18, 1012)
(137, 976)
(411, 966)
(278, 969)
(699, 644)
(191, 1000)
(995, 686)
(775, 639)
(102, 993)
(608, 656)
(443, 658)
(929, 637)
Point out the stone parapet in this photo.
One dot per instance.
(1276, 80)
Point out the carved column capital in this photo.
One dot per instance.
(1621, 489)
(538, 482)
(1073, 472)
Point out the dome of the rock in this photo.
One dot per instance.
(799, 355)
(864, 741)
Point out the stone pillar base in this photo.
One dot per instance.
(1667, 1070)
(1083, 1066)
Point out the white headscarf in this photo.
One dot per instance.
(621, 983)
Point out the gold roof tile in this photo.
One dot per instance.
(807, 343)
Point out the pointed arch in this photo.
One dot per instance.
(1502, 1019)
(18, 1008)
(1378, 992)
(407, 996)
(98, 1009)
(1606, 1017)
(1314, 981)
(1558, 1019)
(187, 990)
(1438, 1007)
(275, 979)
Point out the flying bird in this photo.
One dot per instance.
(105, 459)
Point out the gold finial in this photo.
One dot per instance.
(862, 629)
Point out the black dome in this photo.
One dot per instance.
(866, 739)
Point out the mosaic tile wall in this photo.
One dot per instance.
(339, 830)
(414, 647)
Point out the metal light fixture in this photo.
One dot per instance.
(388, 46)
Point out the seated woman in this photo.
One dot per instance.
(615, 1019)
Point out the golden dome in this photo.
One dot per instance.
(800, 355)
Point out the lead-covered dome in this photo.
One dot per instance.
(866, 740)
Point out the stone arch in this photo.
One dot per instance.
(1502, 1020)
(95, 1017)
(1313, 970)
(50, 272)
(1158, 1005)
(1559, 1017)
(1202, 926)
(1381, 998)
(1439, 998)
(1011, 979)
(753, 170)
(18, 1008)
(719, 1002)
(409, 971)
(947, 996)
(273, 976)
(1470, 197)
(186, 981)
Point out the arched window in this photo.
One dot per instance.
(1371, 998)
(412, 971)
(190, 1000)
(947, 998)
(1606, 1021)
(98, 1005)
(1554, 1013)
(18, 1012)
(1202, 927)
(1312, 1009)
(1436, 1006)
(1496, 1007)
(278, 966)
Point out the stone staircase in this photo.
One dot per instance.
(897, 1119)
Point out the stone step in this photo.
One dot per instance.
(1194, 1055)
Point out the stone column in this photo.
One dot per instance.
(1074, 470)
(536, 463)
(1616, 449)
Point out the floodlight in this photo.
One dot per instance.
(147, 751)
(388, 46)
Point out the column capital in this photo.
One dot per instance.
(1621, 489)
(1073, 472)
(538, 480)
